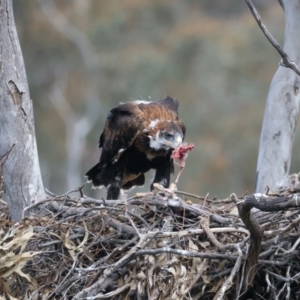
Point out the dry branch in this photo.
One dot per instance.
(286, 61)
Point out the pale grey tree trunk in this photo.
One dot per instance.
(21, 172)
(282, 108)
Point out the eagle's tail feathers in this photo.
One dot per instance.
(94, 175)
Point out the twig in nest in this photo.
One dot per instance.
(189, 195)
(256, 235)
(205, 225)
(286, 61)
(205, 199)
(132, 224)
(60, 288)
(185, 253)
(41, 202)
(200, 272)
(114, 293)
(240, 285)
(80, 190)
(112, 272)
(229, 281)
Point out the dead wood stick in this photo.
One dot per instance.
(271, 233)
(198, 285)
(256, 235)
(286, 61)
(281, 291)
(198, 231)
(229, 281)
(200, 272)
(39, 203)
(189, 195)
(112, 273)
(270, 204)
(107, 258)
(293, 248)
(114, 293)
(205, 225)
(281, 278)
(154, 200)
(241, 279)
(177, 203)
(287, 259)
(185, 253)
(60, 288)
(79, 211)
(132, 224)
(270, 285)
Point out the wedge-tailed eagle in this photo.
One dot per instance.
(137, 136)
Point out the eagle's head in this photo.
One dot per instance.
(165, 135)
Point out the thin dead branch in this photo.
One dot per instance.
(286, 61)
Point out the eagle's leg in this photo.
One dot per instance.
(162, 175)
(113, 190)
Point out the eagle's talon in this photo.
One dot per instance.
(158, 187)
(173, 187)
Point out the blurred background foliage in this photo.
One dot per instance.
(84, 57)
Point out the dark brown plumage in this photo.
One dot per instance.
(137, 136)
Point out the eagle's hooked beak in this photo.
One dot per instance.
(178, 140)
(175, 142)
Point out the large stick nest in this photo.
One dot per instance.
(158, 245)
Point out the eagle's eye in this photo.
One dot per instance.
(168, 135)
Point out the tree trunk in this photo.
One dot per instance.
(21, 172)
(282, 109)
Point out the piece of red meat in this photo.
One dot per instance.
(181, 152)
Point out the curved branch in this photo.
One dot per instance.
(286, 61)
(256, 234)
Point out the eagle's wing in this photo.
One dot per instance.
(122, 126)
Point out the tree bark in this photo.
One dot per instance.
(282, 108)
(21, 171)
